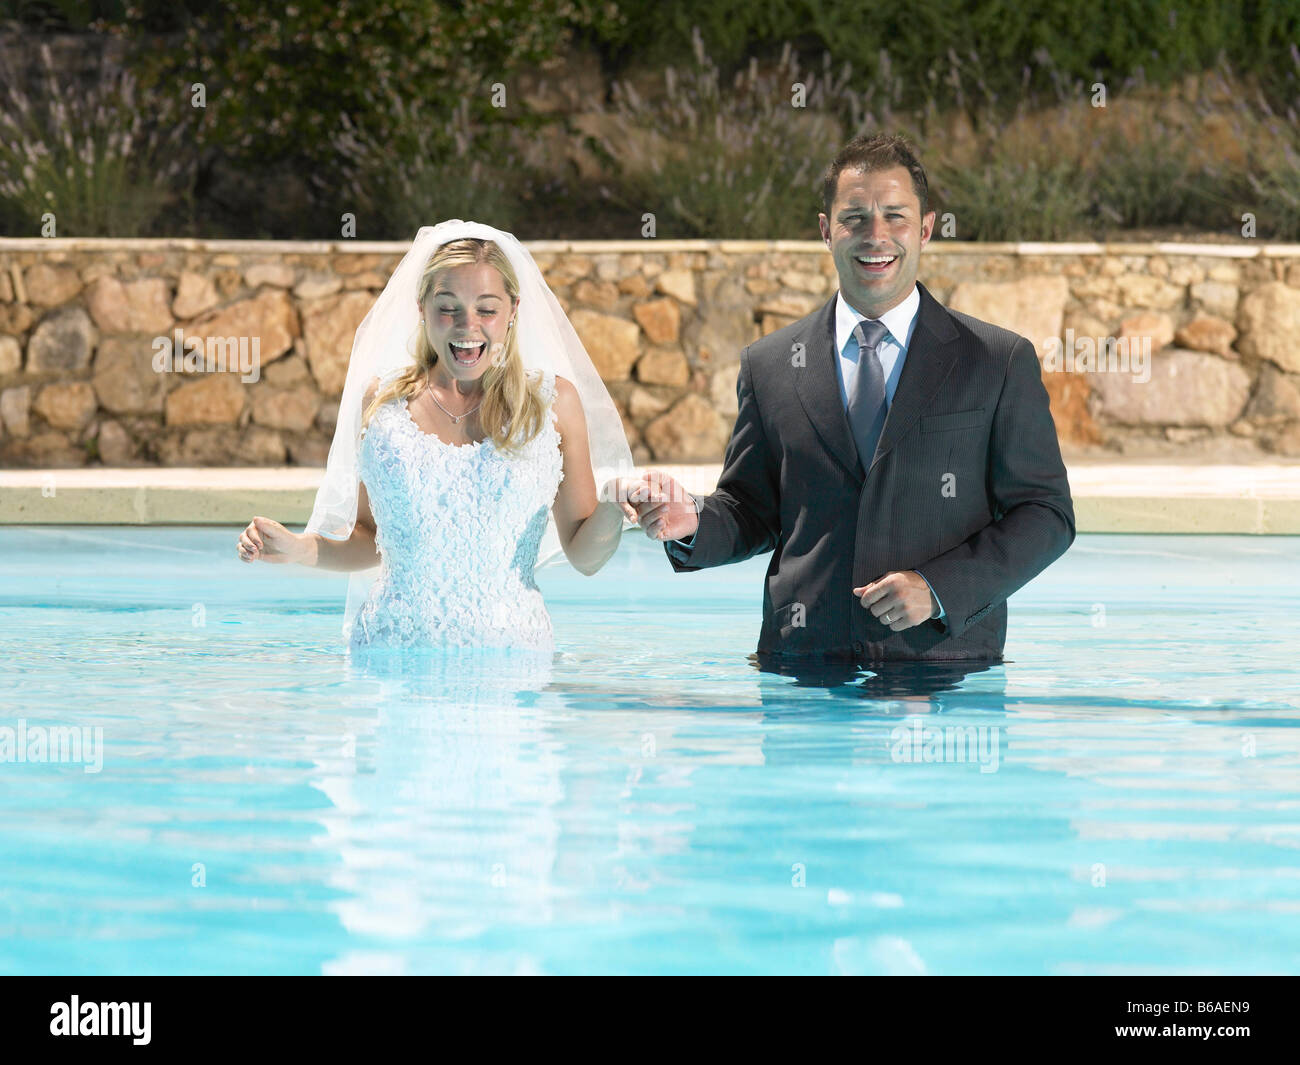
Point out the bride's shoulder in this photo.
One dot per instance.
(373, 387)
(377, 384)
(564, 404)
(559, 397)
(546, 382)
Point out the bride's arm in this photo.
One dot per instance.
(589, 528)
(266, 540)
(358, 551)
(269, 541)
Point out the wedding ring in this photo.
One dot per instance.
(886, 619)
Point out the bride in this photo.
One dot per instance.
(447, 458)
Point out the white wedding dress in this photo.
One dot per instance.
(458, 530)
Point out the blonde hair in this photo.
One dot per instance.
(512, 412)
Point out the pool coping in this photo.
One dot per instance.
(1108, 497)
(1246, 248)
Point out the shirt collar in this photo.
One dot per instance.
(898, 320)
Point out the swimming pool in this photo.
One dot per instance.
(1121, 796)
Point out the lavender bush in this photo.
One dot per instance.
(104, 160)
(726, 160)
(427, 166)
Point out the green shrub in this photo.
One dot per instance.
(281, 78)
(1194, 156)
(1164, 39)
(105, 161)
(1274, 196)
(1274, 172)
(328, 106)
(430, 167)
(737, 160)
(1012, 195)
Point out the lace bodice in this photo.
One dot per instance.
(458, 530)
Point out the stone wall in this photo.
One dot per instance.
(664, 322)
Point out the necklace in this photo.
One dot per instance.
(456, 419)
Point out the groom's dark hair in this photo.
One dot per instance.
(880, 151)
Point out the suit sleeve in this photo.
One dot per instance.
(680, 549)
(742, 516)
(1033, 513)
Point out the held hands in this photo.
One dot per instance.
(899, 600)
(269, 541)
(615, 491)
(664, 509)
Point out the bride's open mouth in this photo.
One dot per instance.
(467, 352)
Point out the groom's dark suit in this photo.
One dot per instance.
(966, 487)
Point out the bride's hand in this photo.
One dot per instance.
(665, 510)
(269, 541)
(616, 490)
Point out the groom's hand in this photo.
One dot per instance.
(664, 509)
(899, 600)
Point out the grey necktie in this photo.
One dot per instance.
(867, 406)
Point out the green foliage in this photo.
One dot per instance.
(724, 160)
(1147, 179)
(1272, 194)
(1012, 196)
(1198, 158)
(281, 78)
(716, 159)
(99, 16)
(1164, 39)
(1277, 195)
(87, 155)
(430, 166)
(384, 108)
(1273, 171)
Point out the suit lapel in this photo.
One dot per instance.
(930, 357)
(817, 383)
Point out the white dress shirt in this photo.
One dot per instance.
(892, 351)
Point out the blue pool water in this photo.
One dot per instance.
(647, 801)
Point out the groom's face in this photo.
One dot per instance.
(467, 313)
(876, 216)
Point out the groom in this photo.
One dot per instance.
(899, 459)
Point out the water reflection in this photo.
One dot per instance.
(918, 685)
(446, 824)
(501, 807)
